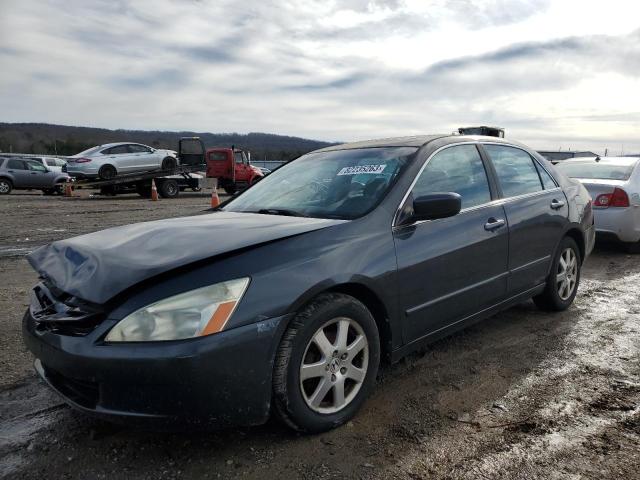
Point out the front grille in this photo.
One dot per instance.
(58, 312)
(82, 392)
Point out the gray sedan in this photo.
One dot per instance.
(22, 173)
(614, 185)
(109, 160)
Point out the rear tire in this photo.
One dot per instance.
(340, 376)
(564, 279)
(169, 189)
(5, 186)
(109, 191)
(632, 247)
(169, 163)
(143, 190)
(107, 172)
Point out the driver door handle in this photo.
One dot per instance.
(556, 204)
(494, 223)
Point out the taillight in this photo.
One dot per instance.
(83, 160)
(618, 198)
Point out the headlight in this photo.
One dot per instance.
(200, 312)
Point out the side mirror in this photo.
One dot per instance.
(436, 205)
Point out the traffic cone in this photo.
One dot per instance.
(154, 191)
(68, 191)
(215, 200)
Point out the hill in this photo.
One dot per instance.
(66, 140)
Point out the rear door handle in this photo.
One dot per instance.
(494, 223)
(556, 204)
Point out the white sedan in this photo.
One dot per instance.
(107, 161)
(614, 185)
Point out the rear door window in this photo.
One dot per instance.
(116, 150)
(547, 182)
(515, 169)
(138, 149)
(16, 165)
(456, 169)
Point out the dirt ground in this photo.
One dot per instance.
(525, 394)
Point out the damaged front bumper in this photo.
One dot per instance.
(219, 379)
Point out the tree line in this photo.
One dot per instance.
(41, 138)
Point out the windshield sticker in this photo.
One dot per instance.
(358, 169)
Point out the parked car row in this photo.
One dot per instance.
(31, 173)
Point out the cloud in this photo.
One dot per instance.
(328, 69)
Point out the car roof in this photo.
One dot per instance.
(414, 141)
(115, 144)
(622, 161)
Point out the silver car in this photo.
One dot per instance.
(109, 160)
(27, 174)
(614, 185)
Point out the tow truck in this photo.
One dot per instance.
(169, 182)
(230, 166)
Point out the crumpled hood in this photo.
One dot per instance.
(97, 266)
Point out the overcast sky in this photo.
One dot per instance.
(554, 73)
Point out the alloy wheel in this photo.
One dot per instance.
(4, 187)
(334, 365)
(567, 275)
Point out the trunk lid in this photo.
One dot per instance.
(597, 187)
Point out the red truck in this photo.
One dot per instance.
(232, 168)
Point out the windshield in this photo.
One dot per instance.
(605, 170)
(335, 184)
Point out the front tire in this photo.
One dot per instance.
(169, 163)
(564, 279)
(107, 172)
(231, 188)
(326, 364)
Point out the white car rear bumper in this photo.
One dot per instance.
(624, 223)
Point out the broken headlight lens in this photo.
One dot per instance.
(200, 312)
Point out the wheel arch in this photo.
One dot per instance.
(377, 308)
(369, 298)
(170, 159)
(576, 234)
(106, 165)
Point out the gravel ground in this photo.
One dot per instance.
(525, 394)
